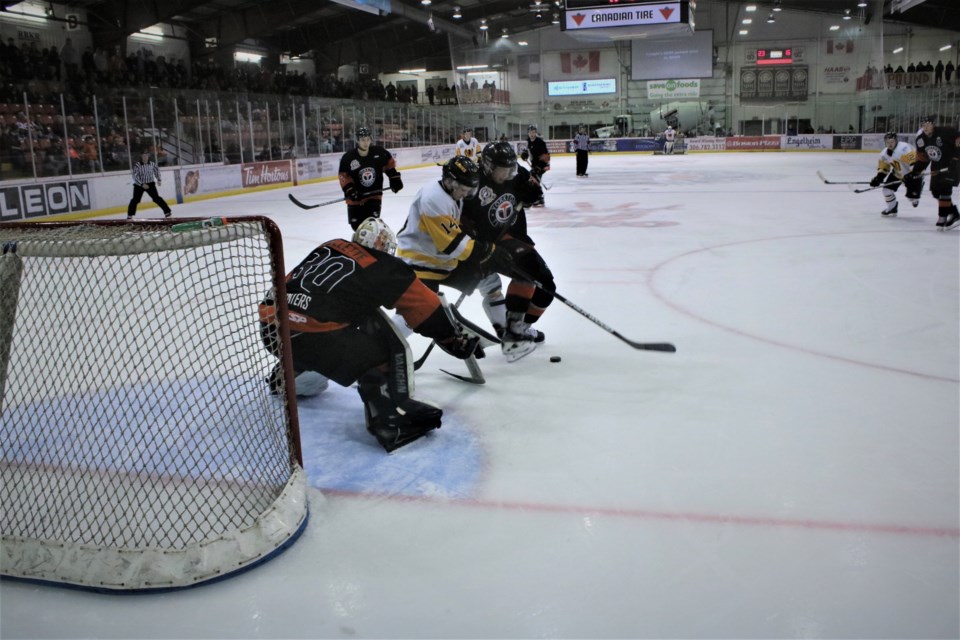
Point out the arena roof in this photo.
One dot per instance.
(412, 33)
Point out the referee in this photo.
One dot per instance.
(581, 143)
(146, 177)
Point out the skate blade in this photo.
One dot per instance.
(518, 350)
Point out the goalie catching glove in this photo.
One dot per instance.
(462, 347)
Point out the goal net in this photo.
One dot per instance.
(142, 447)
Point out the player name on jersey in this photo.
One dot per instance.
(668, 13)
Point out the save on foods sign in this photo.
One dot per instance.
(673, 89)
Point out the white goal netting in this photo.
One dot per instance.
(142, 447)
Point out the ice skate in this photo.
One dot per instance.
(519, 339)
(948, 221)
(892, 212)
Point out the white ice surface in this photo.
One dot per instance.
(791, 472)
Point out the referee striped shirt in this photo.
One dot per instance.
(145, 173)
(582, 142)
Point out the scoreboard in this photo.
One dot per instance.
(775, 56)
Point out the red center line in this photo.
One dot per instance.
(647, 514)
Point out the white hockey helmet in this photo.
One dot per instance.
(374, 233)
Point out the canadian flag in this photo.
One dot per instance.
(580, 63)
(839, 46)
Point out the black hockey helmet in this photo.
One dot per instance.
(932, 119)
(363, 132)
(532, 127)
(463, 171)
(467, 130)
(889, 135)
(499, 154)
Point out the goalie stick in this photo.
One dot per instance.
(476, 375)
(323, 204)
(666, 347)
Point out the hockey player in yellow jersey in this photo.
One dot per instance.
(893, 169)
(468, 146)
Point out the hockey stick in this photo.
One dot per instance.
(419, 363)
(323, 204)
(884, 184)
(646, 346)
(476, 375)
(546, 187)
(825, 181)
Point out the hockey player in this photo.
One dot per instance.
(496, 215)
(893, 168)
(669, 137)
(338, 329)
(467, 145)
(937, 148)
(538, 156)
(361, 178)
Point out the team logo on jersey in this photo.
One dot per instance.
(503, 210)
(368, 176)
(486, 196)
(934, 153)
(354, 165)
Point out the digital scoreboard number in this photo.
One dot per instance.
(775, 56)
(572, 5)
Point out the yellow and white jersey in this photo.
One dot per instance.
(431, 240)
(469, 149)
(899, 160)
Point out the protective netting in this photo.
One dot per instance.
(135, 415)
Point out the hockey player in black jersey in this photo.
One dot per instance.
(937, 148)
(539, 158)
(338, 329)
(361, 178)
(496, 215)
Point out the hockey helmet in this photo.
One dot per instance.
(374, 233)
(496, 155)
(931, 118)
(532, 127)
(363, 132)
(467, 130)
(463, 172)
(889, 135)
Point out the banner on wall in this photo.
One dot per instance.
(670, 89)
(261, 174)
(839, 47)
(848, 143)
(808, 142)
(753, 143)
(764, 84)
(37, 200)
(837, 74)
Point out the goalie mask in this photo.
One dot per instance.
(374, 233)
(499, 162)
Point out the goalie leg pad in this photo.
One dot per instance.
(394, 421)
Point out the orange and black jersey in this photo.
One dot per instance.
(939, 148)
(366, 172)
(341, 283)
(497, 210)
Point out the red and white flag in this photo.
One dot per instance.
(580, 62)
(839, 46)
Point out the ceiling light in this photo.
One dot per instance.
(846, 14)
(743, 32)
(456, 13)
(556, 18)
(777, 7)
(945, 47)
(747, 21)
(770, 19)
(504, 34)
(898, 50)
(834, 27)
(523, 43)
(412, 71)
(483, 25)
(426, 2)
(751, 7)
(862, 3)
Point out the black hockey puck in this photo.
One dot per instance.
(554, 358)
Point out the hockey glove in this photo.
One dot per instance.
(524, 155)
(350, 192)
(396, 183)
(462, 347)
(492, 257)
(877, 179)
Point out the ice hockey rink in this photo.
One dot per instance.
(791, 472)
